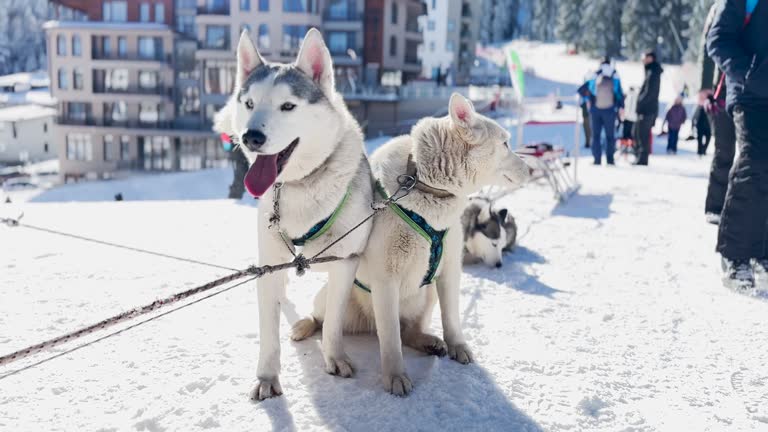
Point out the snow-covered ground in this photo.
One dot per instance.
(608, 316)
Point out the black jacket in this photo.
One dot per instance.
(742, 52)
(701, 122)
(648, 98)
(710, 73)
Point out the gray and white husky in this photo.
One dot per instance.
(309, 168)
(489, 231)
(399, 279)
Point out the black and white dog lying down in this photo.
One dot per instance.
(489, 231)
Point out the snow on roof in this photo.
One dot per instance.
(102, 25)
(35, 97)
(25, 112)
(33, 79)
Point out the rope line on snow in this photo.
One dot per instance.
(11, 222)
(117, 332)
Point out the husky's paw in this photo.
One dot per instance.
(339, 366)
(398, 385)
(435, 346)
(461, 353)
(304, 328)
(266, 388)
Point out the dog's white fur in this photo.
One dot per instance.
(329, 158)
(460, 153)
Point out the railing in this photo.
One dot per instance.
(412, 26)
(161, 91)
(213, 10)
(130, 124)
(349, 15)
(133, 57)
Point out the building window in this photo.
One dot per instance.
(341, 10)
(109, 148)
(263, 40)
(115, 113)
(431, 25)
(63, 79)
(159, 13)
(150, 113)
(219, 7)
(61, 45)
(292, 36)
(150, 47)
(451, 25)
(263, 5)
(149, 80)
(77, 46)
(189, 101)
(432, 46)
(449, 46)
(79, 147)
(122, 47)
(157, 153)
(125, 147)
(394, 12)
(219, 77)
(111, 80)
(77, 79)
(245, 5)
(78, 111)
(45, 127)
(115, 10)
(392, 46)
(45, 147)
(185, 24)
(300, 6)
(217, 37)
(144, 12)
(340, 42)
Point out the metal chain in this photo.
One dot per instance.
(300, 263)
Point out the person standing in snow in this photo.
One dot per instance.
(630, 114)
(700, 122)
(738, 43)
(605, 98)
(647, 107)
(722, 127)
(674, 119)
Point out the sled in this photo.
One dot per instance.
(549, 162)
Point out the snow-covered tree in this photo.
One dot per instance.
(543, 19)
(601, 27)
(499, 20)
(694, 34)
(568, 27)
(658, 25)
(22, 40)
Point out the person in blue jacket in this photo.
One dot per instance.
(605, 98)
(738, 43)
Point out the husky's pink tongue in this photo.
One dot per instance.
(261, 175)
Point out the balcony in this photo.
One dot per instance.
(134, 90)
(157, 57)
(134, 124)
(345, 15)
(213, 10)
(466, 12)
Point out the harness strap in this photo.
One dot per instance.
(424, 229)
(321, 227)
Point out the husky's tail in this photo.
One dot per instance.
(304, 328)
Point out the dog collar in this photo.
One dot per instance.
(424, 229)
(411, 170)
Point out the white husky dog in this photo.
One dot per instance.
(309, 168)
(414, 252)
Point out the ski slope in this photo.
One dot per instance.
(609, 316)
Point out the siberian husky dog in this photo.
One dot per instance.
(489, 231)
(309, 168)
(413, 257)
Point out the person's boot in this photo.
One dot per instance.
(760, 268)
(738, 275)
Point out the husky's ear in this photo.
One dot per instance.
(462, 111)
(222, 120)
(248, 58)
(502, 215)
(315, 60)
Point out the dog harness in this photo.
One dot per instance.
(424, 229)
(321, 227)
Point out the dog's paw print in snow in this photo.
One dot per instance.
(747, 383)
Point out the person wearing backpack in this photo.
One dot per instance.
(606, 99)
(738, 43)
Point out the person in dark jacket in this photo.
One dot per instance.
(738, 43)
(674, 119)
(722, 127)
(647, 107)
(606, 98)
(700, 122)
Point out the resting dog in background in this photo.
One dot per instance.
(297, 132)
(489, 231)
(413, 257)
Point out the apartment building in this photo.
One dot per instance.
(392, 39)
(26, 134)
(451, 31)
(139, 81)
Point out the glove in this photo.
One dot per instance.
(713, 106)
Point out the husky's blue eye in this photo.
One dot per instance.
(287, 106)
(249, 104)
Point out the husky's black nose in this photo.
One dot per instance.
(254, 139)
(498, 264)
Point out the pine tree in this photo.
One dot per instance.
(660, 25)
(543, 20)
(499, 20)
(22, 40)
(601, 24)
(568, 27)
(699, 11)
